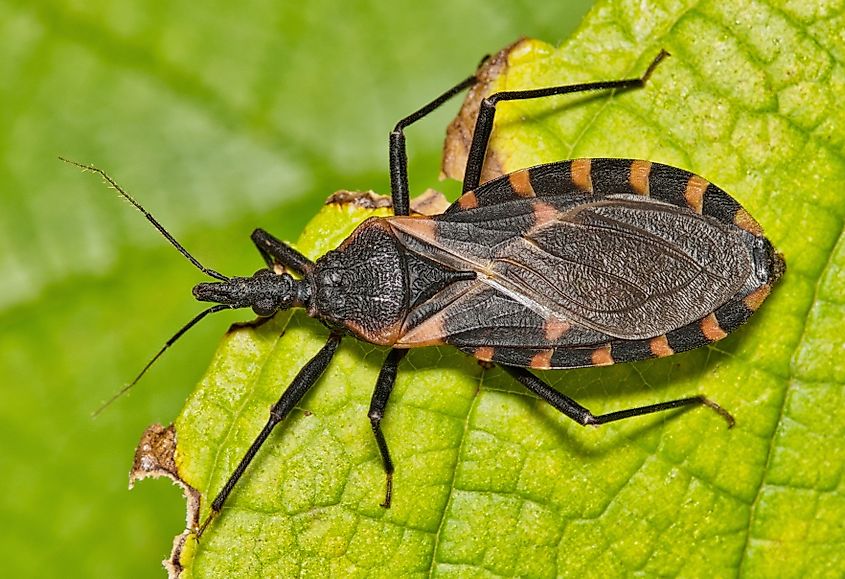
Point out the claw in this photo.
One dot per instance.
(721, 411)
(211, 516)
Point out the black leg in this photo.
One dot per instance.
(484, 121)
(384, 386)
(584, 417)
(278, 252)
(398, 156)
(306, 378)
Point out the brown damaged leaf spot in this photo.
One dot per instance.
(155, 457)
(362, 199)
(459, 132)
(155, 454)
(431, 202)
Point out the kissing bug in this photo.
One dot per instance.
(577, 263)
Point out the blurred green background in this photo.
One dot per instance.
(219, 118)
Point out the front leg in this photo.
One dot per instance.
(303, 382)
(384, 386)
(277, 252)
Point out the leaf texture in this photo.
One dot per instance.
(492, 482)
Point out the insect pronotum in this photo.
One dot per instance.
(585, 262)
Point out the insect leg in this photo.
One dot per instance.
(275, 251)
(384, 386)
(584, 417)
(398, 156)
(484, 121)
(306, 378)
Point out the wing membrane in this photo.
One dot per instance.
(621, 266)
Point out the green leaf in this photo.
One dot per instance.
(492, 482)
(219, 117)
(217, 140)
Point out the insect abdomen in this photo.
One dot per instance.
(591, 262)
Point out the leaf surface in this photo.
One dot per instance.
(219, 117)
(492, 482)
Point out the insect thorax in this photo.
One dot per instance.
(361, 285)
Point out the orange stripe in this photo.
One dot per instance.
(428, 333)
(521, 184)
(468, 200)
(423, 227)
(660, 346)
(711, 329)
(602, 357)
(485, 353)
(753, 300)
(555, 328)
(744, 220)
(542, 360)
(694, 193)
(580, 171)
(543, 215)
(638, 178)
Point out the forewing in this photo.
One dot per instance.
(628, 266)
(472, 315)
(622, 266)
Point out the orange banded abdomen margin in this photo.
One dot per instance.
(586, 179)
(703, 332)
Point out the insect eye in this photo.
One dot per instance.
(264, 308)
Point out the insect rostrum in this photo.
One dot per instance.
(577, 263)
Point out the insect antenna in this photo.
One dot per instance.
(167, 344)
(113, 184)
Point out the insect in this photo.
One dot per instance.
(577, 263)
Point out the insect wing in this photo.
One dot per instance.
(629, 267)
(571, 261)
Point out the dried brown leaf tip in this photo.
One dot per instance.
(155, 457)
(430, 202)
(362, 199)
(459, 132)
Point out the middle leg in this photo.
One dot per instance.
(381, 394)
